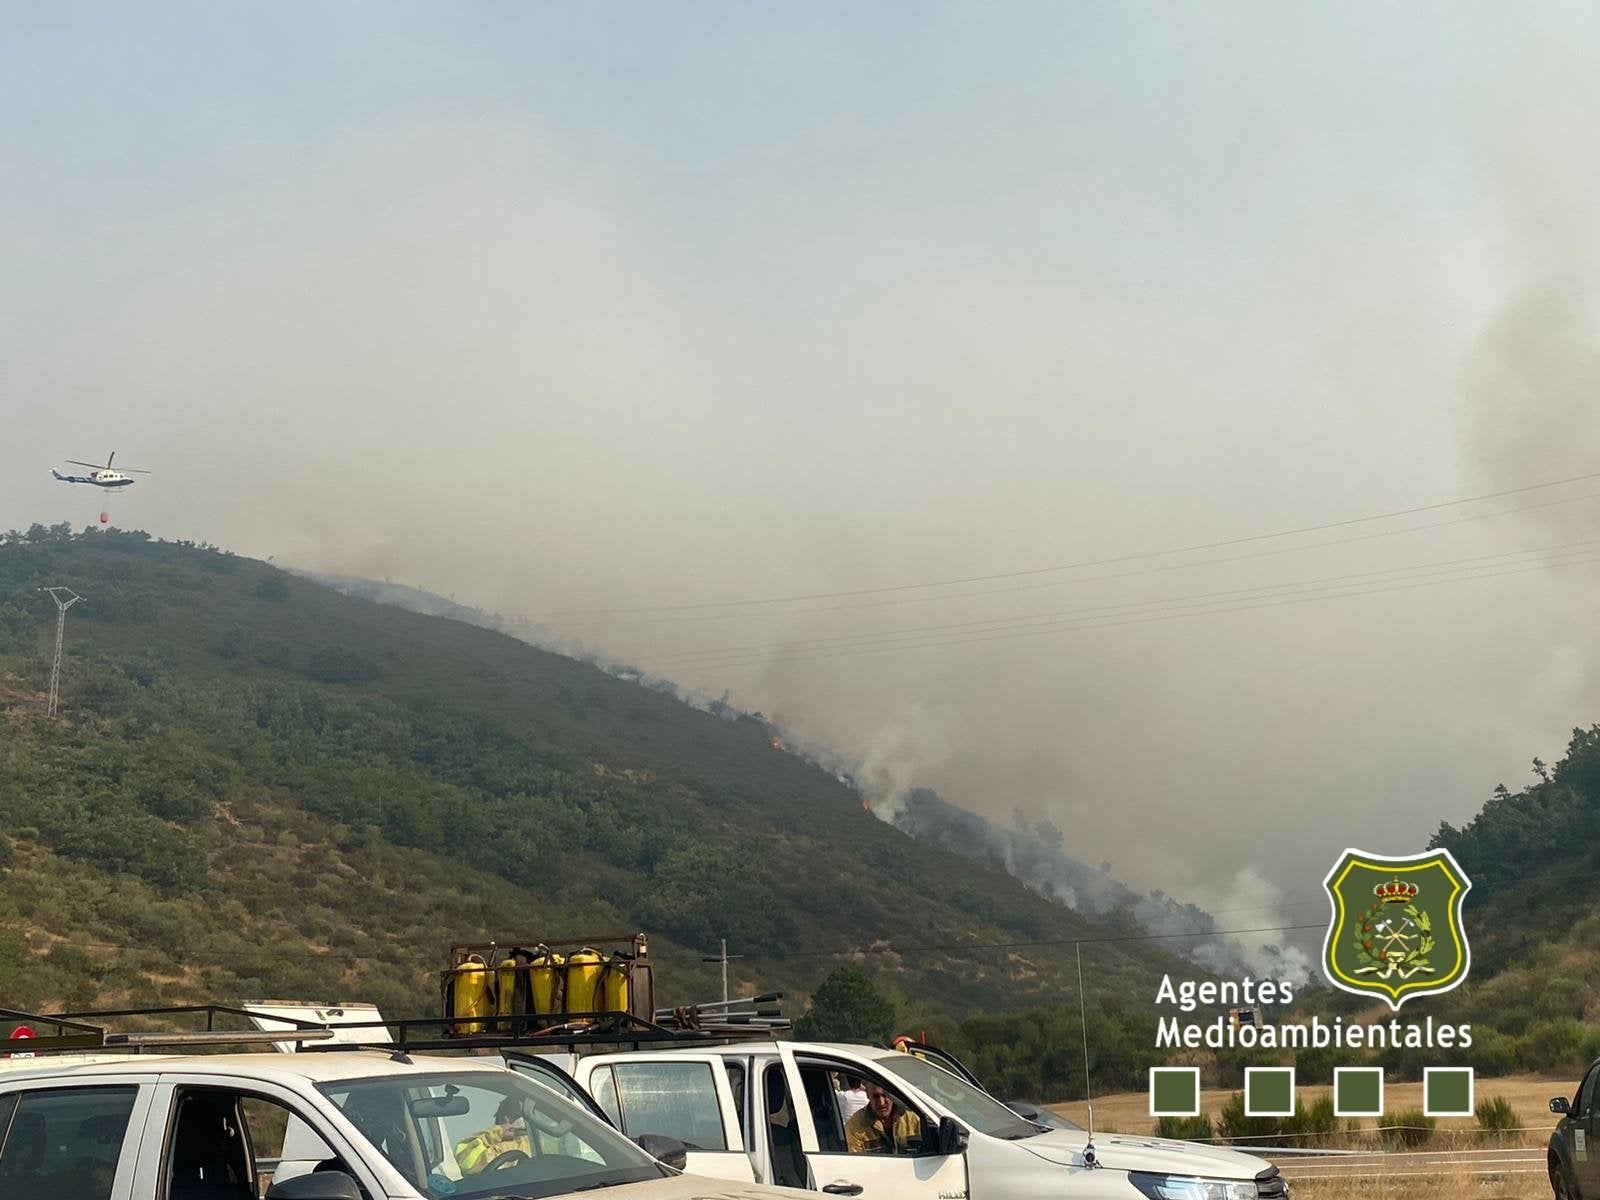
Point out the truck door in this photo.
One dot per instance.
(908, 1169)
(680, 1096)
(207, 1128)
(1585, 1125)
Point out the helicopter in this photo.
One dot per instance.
(101, 476)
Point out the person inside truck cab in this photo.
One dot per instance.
(509, 1132)
(884, 1126)
(851, 1094)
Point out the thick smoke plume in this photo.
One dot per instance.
(1031, 851)
(1533, 373)
(1035, 852)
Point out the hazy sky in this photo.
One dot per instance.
(560, 308)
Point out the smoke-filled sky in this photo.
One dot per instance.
(565, 308)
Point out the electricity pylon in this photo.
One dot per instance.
(61, 629)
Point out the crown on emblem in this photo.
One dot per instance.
(1395, 892)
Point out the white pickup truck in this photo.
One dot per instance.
(735, 1108)
(369, 1125)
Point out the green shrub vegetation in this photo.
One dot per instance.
(1496, 1118)
(1409, 1129)
(1313, 1125)
(848, 1008)
(261, 786)
(1186, 1129)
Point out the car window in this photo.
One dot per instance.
(974, 1107)
(277, 1134)
(788, 1162)
(896, 1129)
(223, 1139)
(542, 1074)
(266, 1121)
(676, 1099)
(549, 1134)
(64, 1143)
(487, 1134)
(826, 1117)
(736, 1080)
(207, 1148)
(605, 1095)
(302, 1145)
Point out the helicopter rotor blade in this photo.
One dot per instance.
(91, 466)
(111, 458)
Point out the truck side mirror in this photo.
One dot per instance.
(951, 1138)
(664, 1149)
(319, 1185)
(1560, 1106)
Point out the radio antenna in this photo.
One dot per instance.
(1089, 1159)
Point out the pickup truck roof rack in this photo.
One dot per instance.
(80, 1032)
(425, 1034)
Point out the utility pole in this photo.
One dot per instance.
(61, 629)
(724, 958)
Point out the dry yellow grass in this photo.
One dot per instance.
(1450, 1184)
(1529, 1096)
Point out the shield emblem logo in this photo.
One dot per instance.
(1396, 927)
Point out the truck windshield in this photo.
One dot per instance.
(485, 1134)
(974, 1108)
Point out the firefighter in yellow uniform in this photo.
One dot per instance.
(882, 1127)
(509, 1132)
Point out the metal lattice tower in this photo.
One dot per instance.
(61, 629)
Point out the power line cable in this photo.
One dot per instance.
(1024, 620)
(1141, 619)
(770, 614)
(1097, 562)
(1069, 626)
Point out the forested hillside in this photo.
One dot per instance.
(259, 785)
(1030, 849)
(1533, 856)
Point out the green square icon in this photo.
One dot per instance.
(1358, 1091)
(1269, 1091)
(1174, 1091)
(1447, 1091)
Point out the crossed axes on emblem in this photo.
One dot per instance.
(1394, 951)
